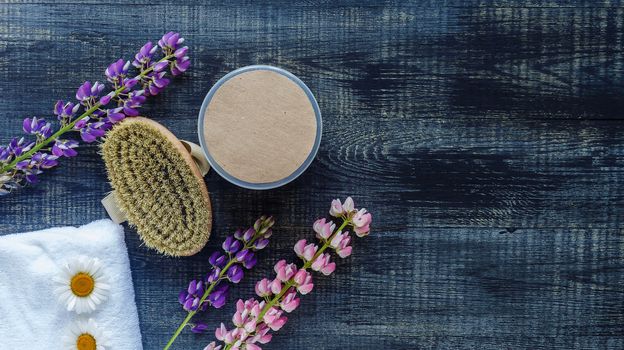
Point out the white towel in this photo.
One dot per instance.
(31, 316)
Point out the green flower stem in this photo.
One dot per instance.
(291, 281)
(190, 315)
(70, 126)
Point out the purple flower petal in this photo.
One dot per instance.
(261, 243)
(199, 328)
(235, 274)
(250, 262)
(160, 66)
(217, 259)
(243, 254)
(181, 52)
(130, 111)
(182, 297)
(105, 100)
(129, 83)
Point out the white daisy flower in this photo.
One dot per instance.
(82, 284)
(85, 335)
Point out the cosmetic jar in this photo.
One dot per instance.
(260, 127)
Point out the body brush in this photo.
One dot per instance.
(158, 186)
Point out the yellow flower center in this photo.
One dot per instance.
(85, 341)
(82, 285)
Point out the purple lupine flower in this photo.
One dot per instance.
(117, 71)
(14, 149)
(87, 93)
(44, 160)
(84, 91)
(217, 259)
(5, 154)
(180, 65)
(238, 234)
(250, 261)
(65, 148)
(231, 245)
(261, 243)
(243, 254)
(240, 253)
(170, 42)
(182, 61)
(19, 167)
(130, 83)
(191, 297)
(181, 52)
(156, 83)
(214, 275)
(235, 274)
(199, 327)
(92, 131)
(219, 295)
(247, 258)
(114, 115)
(253, 319)
(65, 111)
(160, 66)
(19, 146)
(144, 57)
(34, 166)
(134, 101)
(37, 126)
(249, 233)
(105, 99)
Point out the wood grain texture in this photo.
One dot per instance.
(485, 136)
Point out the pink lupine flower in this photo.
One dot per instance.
(276, 286)
(340, 243)
(274, 319)
(338, 237)
(348, 205)
(290, 301)
(305, 252)
(323, 264)
(251, 346)
(344, 252)
(361, 222)
(328, 269)
(336, 208)
(236, 337)
(249, 329)
(213, 346)
(263, 288)
(245, 318)
(303, 279)
(221, 332)
(299, 246)
(285, 271)
(323, 228)
(262, 335)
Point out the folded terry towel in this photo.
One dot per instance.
(32, 316)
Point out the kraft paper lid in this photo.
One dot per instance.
(260, 127)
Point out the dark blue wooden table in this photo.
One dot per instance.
(487, 137)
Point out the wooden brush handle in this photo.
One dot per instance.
(198, 156)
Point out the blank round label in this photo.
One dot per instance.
(259, 126)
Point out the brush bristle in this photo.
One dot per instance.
(156, 188)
